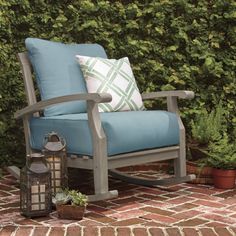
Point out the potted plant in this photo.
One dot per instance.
(222, 157)
(206, 128)
(70, 204)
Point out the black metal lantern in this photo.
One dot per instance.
(55, 154)
(35, 187)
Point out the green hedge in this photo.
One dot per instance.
(172, 44)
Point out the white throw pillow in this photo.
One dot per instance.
(114, 77)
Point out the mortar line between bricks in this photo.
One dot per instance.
(230, 231)
(115, 230)
(148, 232)
(82, 231)
(49, 230)
(215, 231)
(99, 231)
(181, 231)
(65, 230)
(32, 231)
(165, 232)
(199, 232)
(14, 233)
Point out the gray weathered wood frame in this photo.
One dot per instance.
(101, 163)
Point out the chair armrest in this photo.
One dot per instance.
(176, 93)
(95, 97)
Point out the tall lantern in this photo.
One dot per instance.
(55, 154)
(35, 187)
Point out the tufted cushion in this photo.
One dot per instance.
(126, 131)
(58, 73)
(114, 77)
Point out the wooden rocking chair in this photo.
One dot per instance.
(93, 138)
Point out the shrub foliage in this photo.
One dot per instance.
(172, 44)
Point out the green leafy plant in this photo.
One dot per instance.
(208, 126)
(222, 154)
(70, 197)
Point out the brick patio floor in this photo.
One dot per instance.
(179, 210)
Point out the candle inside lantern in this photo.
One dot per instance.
(57, 166)
(57, 174)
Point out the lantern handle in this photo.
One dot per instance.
(54, 137)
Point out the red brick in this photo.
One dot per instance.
(219, 218)
(89, 223)
(40, 231)
(104, 204)
(173, 231)
(160, 204)
(156, 232)
(6, 187)
(204, 196)
(222, 231)
(23, 231)
(129, 206)
(186, 214)
(73, 231)
(208, 203)
(234, 216)
(107, 231)
(57, 231)
(207, 232)
(99, 209)
(192, 222)
(190, 232)
(128, 214)
(151, 197)
(7, 230)
(229, 201)
(157, 211)
(171, 195)
(99, 217)
(160, 218)
(140, 232)
(27, 222)
(183, 207)
(202, 190)
(123, 231)
(216, 224)
(128, 222)
(179, 200)
(126, 200)
(154, 224)
(90, 231)
(4, 194)
(227, 193)
(150, 190)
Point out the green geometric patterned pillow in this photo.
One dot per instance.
(114, 77)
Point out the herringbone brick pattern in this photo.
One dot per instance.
(183, 209)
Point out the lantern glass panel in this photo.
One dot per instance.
(35, 184)
(55, 154)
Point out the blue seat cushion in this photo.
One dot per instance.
(125, 131)
(58, 73)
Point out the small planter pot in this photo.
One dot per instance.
(70, 212)
(224, 179)
(203, 174)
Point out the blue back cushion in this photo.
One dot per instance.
(58, 73)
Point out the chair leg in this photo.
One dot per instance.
(180, 162)
(100, 173)
(101, 183)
